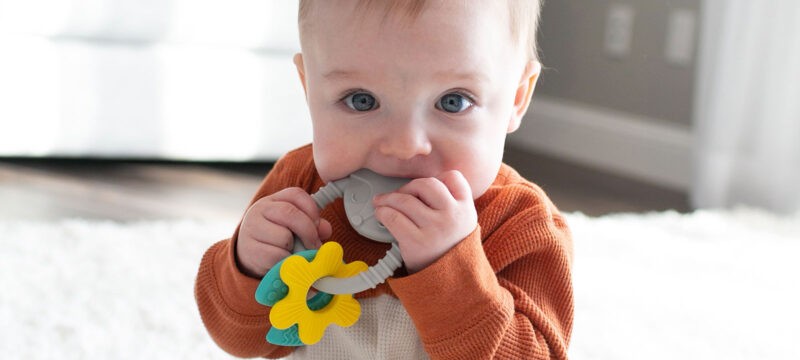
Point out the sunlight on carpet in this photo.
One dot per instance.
(653, 286)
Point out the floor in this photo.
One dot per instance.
(52, 189)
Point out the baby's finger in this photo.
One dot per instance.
(398, 224)
(270, 233)
(457, 184)
(288, 215)
(325, 230)
(300, 199)
(409, 205)
(259, 257)
(430, 191)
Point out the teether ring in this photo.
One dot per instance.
(297, 321)
(299, 274)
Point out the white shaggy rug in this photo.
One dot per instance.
(711, 285)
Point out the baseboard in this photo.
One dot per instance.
(645, 149)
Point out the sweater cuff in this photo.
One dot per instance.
(237, 289)
(460, 282)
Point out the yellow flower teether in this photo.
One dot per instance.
(299, 275)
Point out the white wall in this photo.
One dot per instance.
(627, 112)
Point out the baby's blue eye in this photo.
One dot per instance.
(361, 101)
(454, 103)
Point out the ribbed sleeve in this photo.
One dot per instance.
(236, 324)
(225, 296)
(506, 297)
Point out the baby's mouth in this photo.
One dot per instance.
(411, 175)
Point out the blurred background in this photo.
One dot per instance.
(148, 109)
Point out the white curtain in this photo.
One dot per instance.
(748, 106)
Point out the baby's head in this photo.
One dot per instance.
(416, 88)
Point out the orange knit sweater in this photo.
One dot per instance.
(504, 292)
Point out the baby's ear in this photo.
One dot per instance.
(301, 70)
(522, 100)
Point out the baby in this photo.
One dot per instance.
(426, 90)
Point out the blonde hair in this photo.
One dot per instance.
(524, 16)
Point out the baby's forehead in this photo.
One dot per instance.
(407, 10)
(406, 13)
(519, 17)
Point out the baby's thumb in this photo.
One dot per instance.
(324, 229)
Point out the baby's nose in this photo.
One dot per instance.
(405, 142)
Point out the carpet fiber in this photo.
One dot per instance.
(718, 285)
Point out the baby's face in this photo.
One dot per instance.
(412, 98)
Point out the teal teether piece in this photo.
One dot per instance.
(272, 289)
(319, 301)
(285, 337)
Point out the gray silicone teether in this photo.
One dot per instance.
(357, 191)
(363, 185)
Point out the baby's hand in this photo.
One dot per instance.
(267, 232)
(428, 217)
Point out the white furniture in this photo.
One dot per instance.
(202, 80)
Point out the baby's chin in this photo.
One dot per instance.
(328, 176)
(476, 193)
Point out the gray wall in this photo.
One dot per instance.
(643, 83)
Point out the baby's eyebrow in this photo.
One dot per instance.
(339, 74)
(461, 76)
(443, 75)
